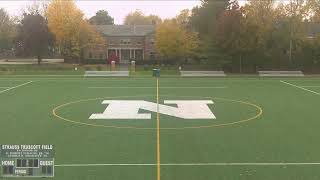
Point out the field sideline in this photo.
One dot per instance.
(265, 128)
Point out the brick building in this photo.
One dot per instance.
(126, 42)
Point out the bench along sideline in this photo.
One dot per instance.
(202, 74)
(106, 74)
(281, 73)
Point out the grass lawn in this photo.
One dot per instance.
(265, 129)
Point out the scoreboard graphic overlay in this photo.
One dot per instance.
(26, 160)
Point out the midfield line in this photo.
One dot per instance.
(158, 135)
(197, 164)
(300, 87)
(15, 87)
(164, 87)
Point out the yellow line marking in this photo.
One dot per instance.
(259, 113)
(158, 133)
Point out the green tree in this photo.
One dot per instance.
(138, 18)
(274, 32)
(259, 15)
(264, 33)
(204, 18)
(154, 19)
(210, 53)
(72, 32)
(228, 32)
(174, 41)
(230, 35)
(7, 30)
(311, 47)
(102, 17)
(314, 6)
(33, 35)
(183, 19)
(297, 11)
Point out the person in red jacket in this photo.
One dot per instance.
(113, 57)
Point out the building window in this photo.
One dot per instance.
(152, 55)
(101, 56)
(152, 41)
(90, 55)
(139, 43)
(111, 43)
(139, 54)
(125, 41)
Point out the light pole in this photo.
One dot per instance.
(291, 33)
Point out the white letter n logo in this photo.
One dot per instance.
(129, 109)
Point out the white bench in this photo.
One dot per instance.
(106, 74)
(202, 73)
(281, 73)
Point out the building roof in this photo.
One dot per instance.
(125, 30)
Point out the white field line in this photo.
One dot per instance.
(310, 86)
(139, 78)
(195, 164)
(128, 87)
(15, 87)
(300, 87)
(46, 75)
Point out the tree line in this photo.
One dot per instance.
(265, 34)
(259, 34)
(55, 27)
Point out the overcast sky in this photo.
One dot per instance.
(117, 9)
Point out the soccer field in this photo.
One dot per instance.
(265, 129)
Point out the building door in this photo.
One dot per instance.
(125, 55)
(138, 54)
(111, 52)
(113, 56)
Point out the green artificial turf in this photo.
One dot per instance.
(287, 131)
